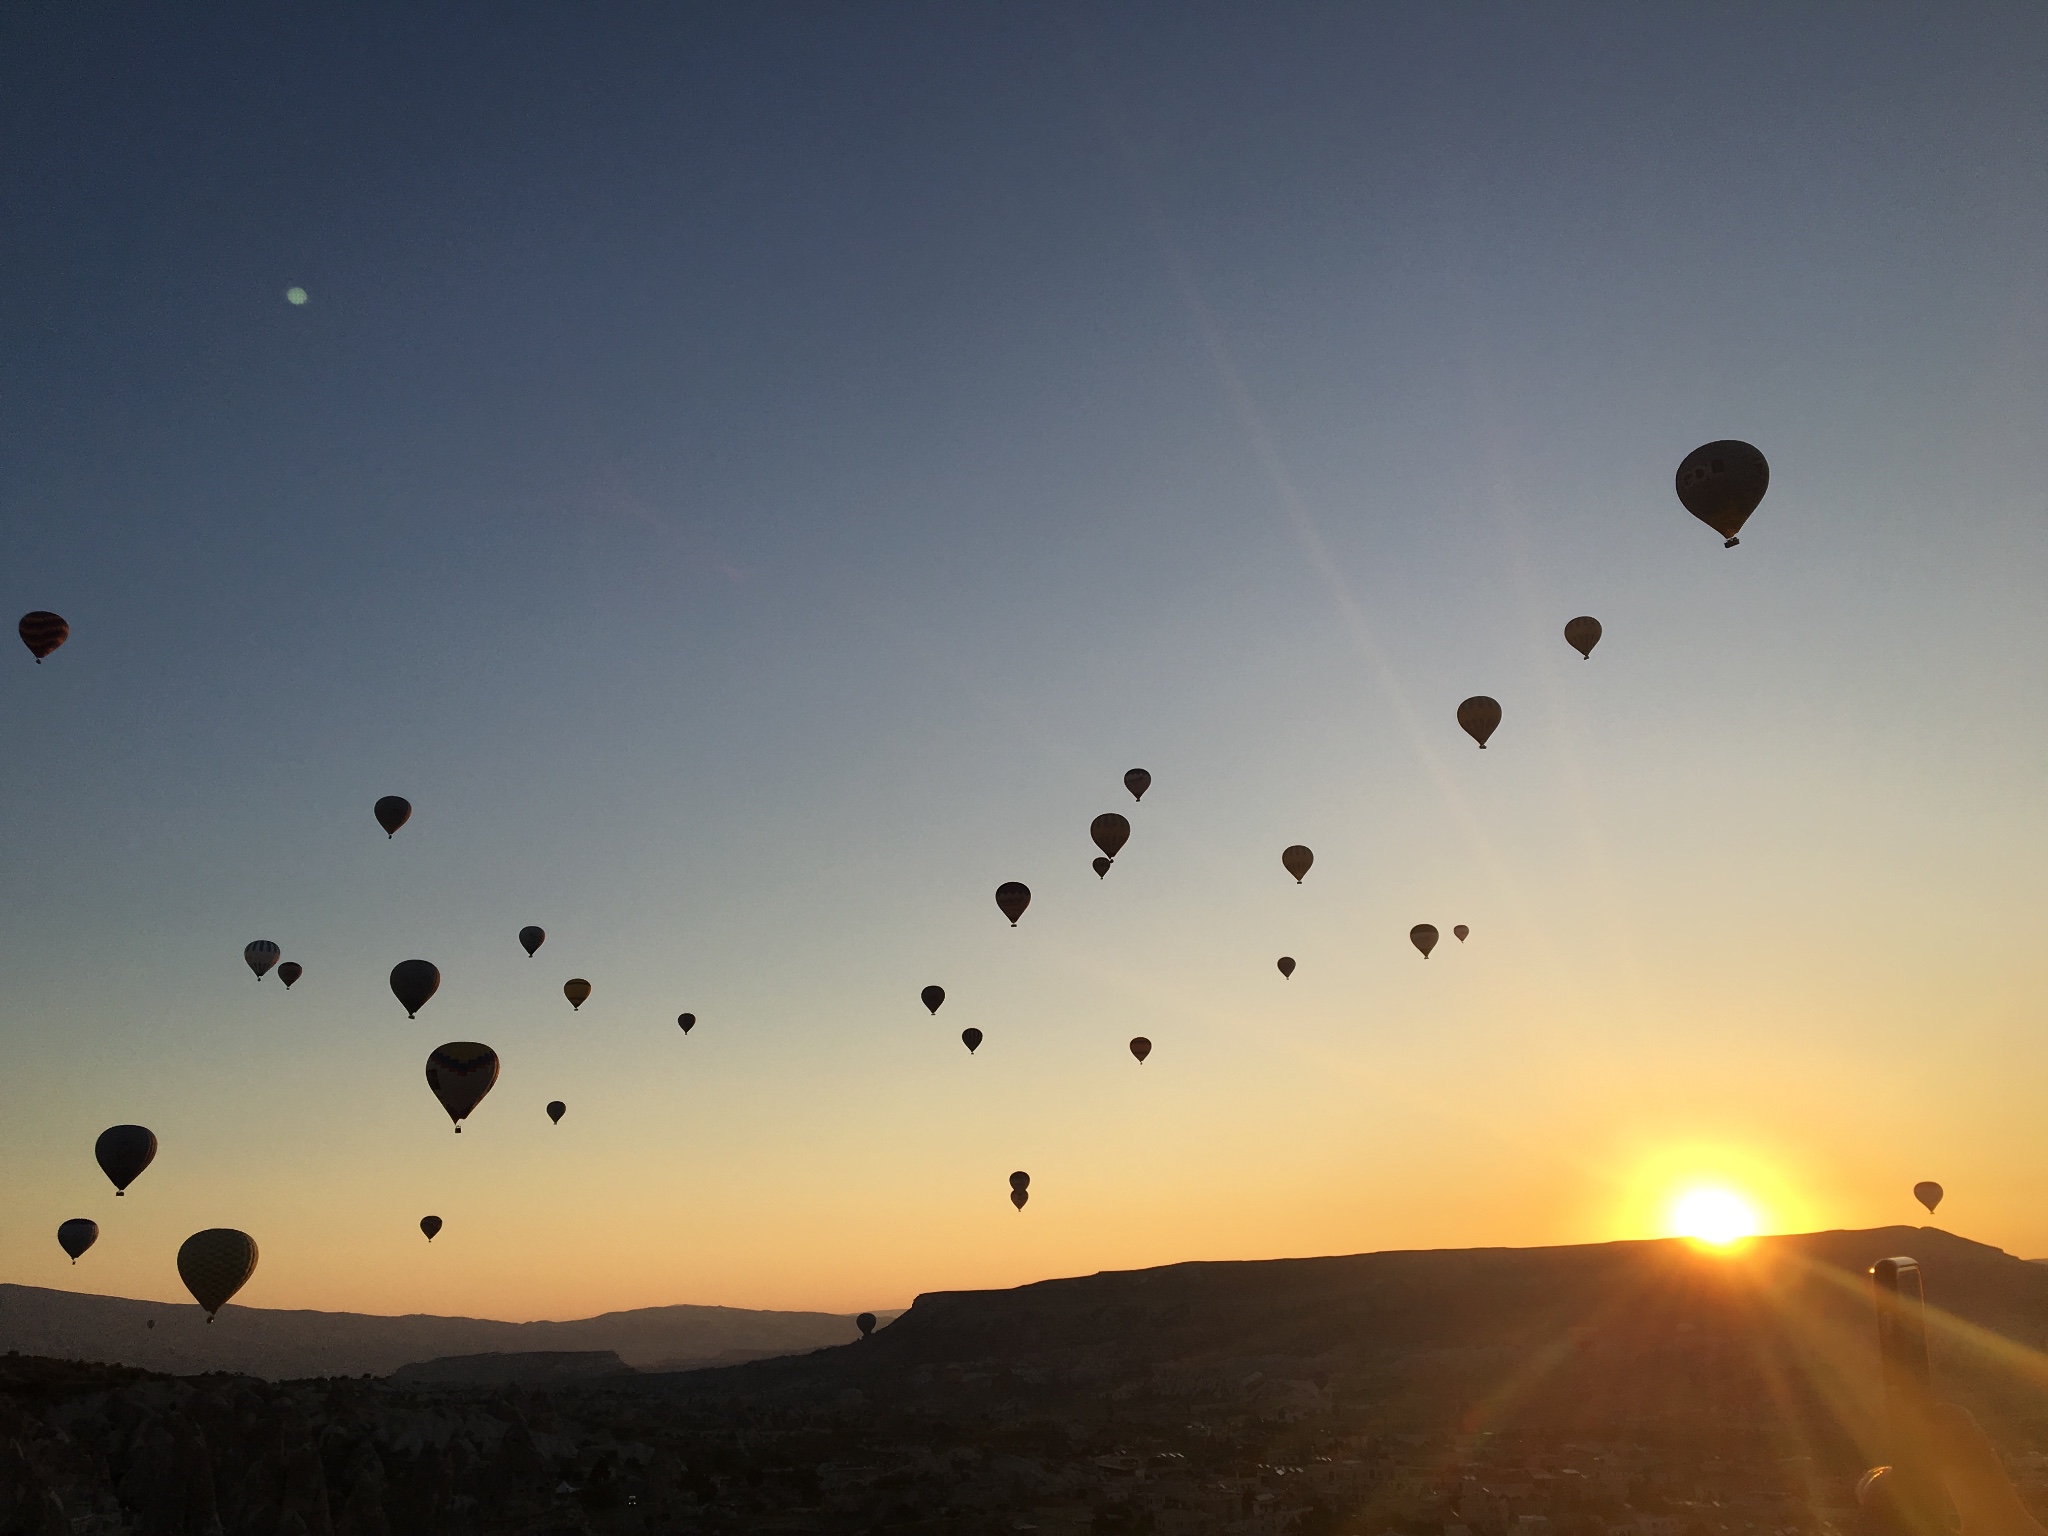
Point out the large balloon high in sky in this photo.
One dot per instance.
(392, 812)
(215, 1264)
(1721, 484)
(1013, 896)
(460, 1073)
(413, 982)
(123, 1152)
(42, 633)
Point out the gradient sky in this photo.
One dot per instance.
(755, 477)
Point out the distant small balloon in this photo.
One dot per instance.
(1423, 937)
(1296, 860)
(77, 1235)
(460, 1073)
(1137, 781)
(296, 296)
(261, 956)
(1721, 484)
(1020, 1180)
(1286, 963)
(1141, 1048)
(557, 1109)
(151, 1323)
(1461, 933)
(1582, 634)
(1928, 1193)
(865, 1323)
(413, 982)
(1013, 896)
(1100, 865)
(215, 1264)
(1110, 831)
(290, 972)
(431, 1225)
(123, 1151)
(42, 633)
(971, 1038)
(931, 997)
(1480, 716)
(577, 990)
(392, 812)
(1019, 1196)
(686, 1022)
(531, 939)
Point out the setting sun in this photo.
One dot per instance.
(1713, 1215)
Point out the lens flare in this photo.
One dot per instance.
(1713, 1215)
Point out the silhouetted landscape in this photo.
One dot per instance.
(1624, 1389)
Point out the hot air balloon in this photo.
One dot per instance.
(1928, 1193)
(531, 938)
(1286, 966)
(461, 1073)
(1480, 716)
(392, 812)
(1460, 933)
(1141, 1048)
(686, 1022)
(290, 972)
(1020, 1181)
(932, 997)
(577, 990)
(1020, 1189)
(77, 1235)
(1137, 781)
(261, 955)
(123, 1152)
(431, 1225)
(1296, 861)
(1100, 865)
(413, 982)
(1423, 937)
(1110, 831)
(215, 1264)
(865, 1323)
(557, 1109)
(971, 1038)
(42, 633)
(1582, 634)
(1721, 484)
(1013, 896)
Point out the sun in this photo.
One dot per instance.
(1711, 1214)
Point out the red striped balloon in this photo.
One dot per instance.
(42, 633)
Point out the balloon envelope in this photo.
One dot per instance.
(1582, 634)
(1460, 932)
(865, 1323)
(557, 1109)
(1020, 1180)
(413, 982)
(686, 1022)
(392, 812)
(215, 1264)
(290, 972)
(577, 990)
(461, 1073)
(1928, 1193)
(1137, 781)
(1141, 1048)
(1480, 716)
(1296, 861)
(431, 1225)
(1286, 965)
(971, 1038)
(1423, 937)
(77, 1235)
(1110, 831)
(1722, 483)
(42, 633)
(1013, 896)
(932, 997)
(531, 938)
(123, 1152)
(261, 956)
(1018, 1196)
(1100, 865)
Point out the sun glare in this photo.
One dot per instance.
(1713, 1215)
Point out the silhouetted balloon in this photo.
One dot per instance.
(971, 1038)
(1020, 1180)
(1721, 484)
(865, 1323)
(1928, 1193)
(392, 812)
(1013, 896)
(1459, 933)
(123, 1152)
(931, 997)
(1286, 966)
(1110, 831)
(42, 633)
(261, 956)
(1141, 1048)
(1423, 937)
(413, 982)
(1296, 861)
(557, 1109)
(290, 972)
(1137, 781)
(1480, 716)
(151, 1323)
(461, 1073)
(1582, 634)
(686, 1022)
(77, 1235)
(431, 1225)
(531, 938)
(1019, 1196)
(215, 1264)
(577, 990)
(1100, 865)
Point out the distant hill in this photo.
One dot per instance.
(283, 1345)
(548, 1367)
